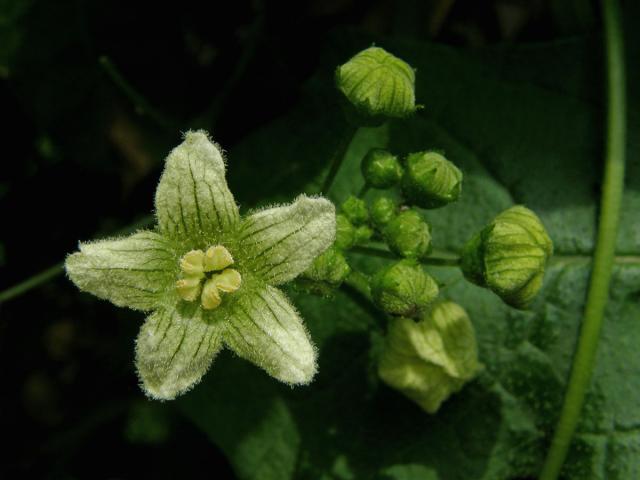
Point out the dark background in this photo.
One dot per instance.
(81, 159)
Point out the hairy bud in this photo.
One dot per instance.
(408, 235)
(380, 168)
(382, 210)
(403, 288)
(430, 180)
(355, 209)
(509, 256)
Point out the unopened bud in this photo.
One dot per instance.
(408, 235)
(430, 180)
(381, 169)
(355, 209)
(403, 288)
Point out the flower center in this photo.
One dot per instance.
(205, 275)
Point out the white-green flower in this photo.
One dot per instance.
(208, 276)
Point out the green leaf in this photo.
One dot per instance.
(523, 125)
(135, 271)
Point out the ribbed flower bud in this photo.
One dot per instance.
(345, 233)
(382, 210)
(509, 256)
(363, 234)
(408, 235)
(380, 168)
(355, 209)
(377, 86)
(403, 288)
(430, 359)
(430, 180)
(327, 273)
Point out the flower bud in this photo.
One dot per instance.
(509, 256)
(380, 168)
(363, 234)
(377, 86)
(430, 359)
(408, 235)
(430, 180)
(355, 209)
(403, 288)
(382, 210)
(327, 272)
(345, 233)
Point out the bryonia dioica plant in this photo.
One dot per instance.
(209, 277)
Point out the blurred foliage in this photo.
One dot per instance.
(514, 99)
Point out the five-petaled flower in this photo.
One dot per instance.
(208, 276)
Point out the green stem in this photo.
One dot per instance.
(360, 283)
(338, 158)
(433, 260)
(138, 100)
(57, 269)
(598, 294)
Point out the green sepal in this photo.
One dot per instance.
(355, 209)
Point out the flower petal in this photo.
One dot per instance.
(134, 272)
(192, 197)
(174, 350)
(264, 328)
(280, 243)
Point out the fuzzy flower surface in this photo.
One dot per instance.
(208, 277)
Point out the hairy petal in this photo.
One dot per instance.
(192, 198)
(135, 272)
(174, 350)
(264, 328)
(280, 243)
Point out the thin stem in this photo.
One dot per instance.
(138, 100)
(598, 294)
(338, 158)
(360, 283)
(433, 260)
(57, 269)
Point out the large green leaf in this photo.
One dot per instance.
(524, 124)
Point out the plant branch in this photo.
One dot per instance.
(139, 101)
(613, 185)
(434, 260)
(338, 158)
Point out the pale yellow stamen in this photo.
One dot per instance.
(228, 281)
(217, 258)
(196, 264)
(210, 296)
(188, 288)
(192, 263)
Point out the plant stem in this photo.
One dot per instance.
(57, 269)
(138, 100)
(338, 158)
(613, 185)
(379, 252)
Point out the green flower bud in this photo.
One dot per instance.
(382, 210)
(326, 273)
(403, 288)
(345, 233)
(377, 86)
(355, 209)
(363, 234)
(408, 235)
(380, 168)
(509, 256)
(430, 359)
(430, 180)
